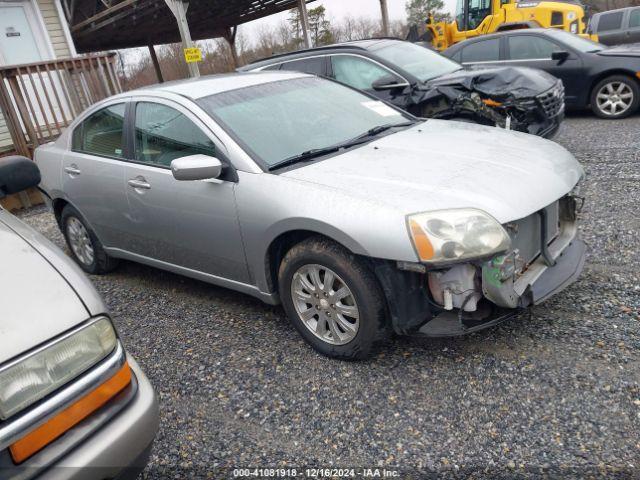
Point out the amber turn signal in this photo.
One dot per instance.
(421, 241)
(491, 103)
(56, 426)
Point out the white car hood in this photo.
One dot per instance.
(37, 303)
(442, 164)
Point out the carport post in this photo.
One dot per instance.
(385, 18)
(179, 10)
(304, 21)
(156, 63)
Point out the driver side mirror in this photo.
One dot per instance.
(17, 174)
(560, 57)
(196, 167)
(388, 82)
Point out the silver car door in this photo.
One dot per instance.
(191, 224)
(93, 173)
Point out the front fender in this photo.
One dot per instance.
(271, 205)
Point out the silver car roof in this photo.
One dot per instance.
(195, 88)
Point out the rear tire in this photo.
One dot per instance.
(341, 313)
(85, 247)
(615, 97)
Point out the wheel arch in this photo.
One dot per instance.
(610, 73)
(287, 239)
(58, 205)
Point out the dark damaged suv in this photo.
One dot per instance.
(427, 84)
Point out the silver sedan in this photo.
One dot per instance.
(358, 217)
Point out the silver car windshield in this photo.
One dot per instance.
(279, 120)
(420, 62)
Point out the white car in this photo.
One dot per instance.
(73, 404)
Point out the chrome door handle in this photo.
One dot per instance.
(136, 183)
(72, 170)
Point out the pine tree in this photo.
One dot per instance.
(418, 11)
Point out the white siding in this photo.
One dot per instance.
(61, 49)
(54, 27)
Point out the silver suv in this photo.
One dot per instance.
(73, 404)
(360, 218)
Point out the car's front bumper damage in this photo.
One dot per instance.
(547, 255)
(491, 99)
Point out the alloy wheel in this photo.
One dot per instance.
(325, 304)
(614, 98)
(79, 241)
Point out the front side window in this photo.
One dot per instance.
(478, 11)
(460, 14)
(164, 134)
(634, 18)
(484, 51)
(278, 120)
(610, 21)
(529, 47)
(101, 133)
(420, 62)
(357, 72)
(314, 66)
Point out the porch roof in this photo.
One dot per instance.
(112, 24)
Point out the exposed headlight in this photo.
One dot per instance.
(27, 380)
(451, 235)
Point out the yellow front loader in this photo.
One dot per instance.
(479, 17)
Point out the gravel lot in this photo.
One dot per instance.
(555, 394)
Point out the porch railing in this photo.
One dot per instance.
(38, 100)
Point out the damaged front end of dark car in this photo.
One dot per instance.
(516, 98)
(427, 84)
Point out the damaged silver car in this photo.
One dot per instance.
(427, 84)
(358, 217)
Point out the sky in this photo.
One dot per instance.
(338, 9)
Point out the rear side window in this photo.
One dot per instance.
(529, 47)
(314, 66)
(610, 21)
(634, 18)
(101, 133)
(484, 51)
(164, 134)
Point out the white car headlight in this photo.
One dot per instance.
(445, 236)
(33, 377)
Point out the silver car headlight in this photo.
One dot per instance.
(34, 376)
(445, 236)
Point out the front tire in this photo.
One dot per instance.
(85, 247)
(333, 299)
(615, 97)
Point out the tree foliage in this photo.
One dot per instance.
(418, 11)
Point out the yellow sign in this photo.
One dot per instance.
(192, 55)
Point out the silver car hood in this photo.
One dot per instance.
(42, 294)
(442, 164)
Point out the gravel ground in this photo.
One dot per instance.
(555, 393)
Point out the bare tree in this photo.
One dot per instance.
(265, 41)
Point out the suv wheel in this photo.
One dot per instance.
(333, 299)
(85, 247)
(615, 97)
